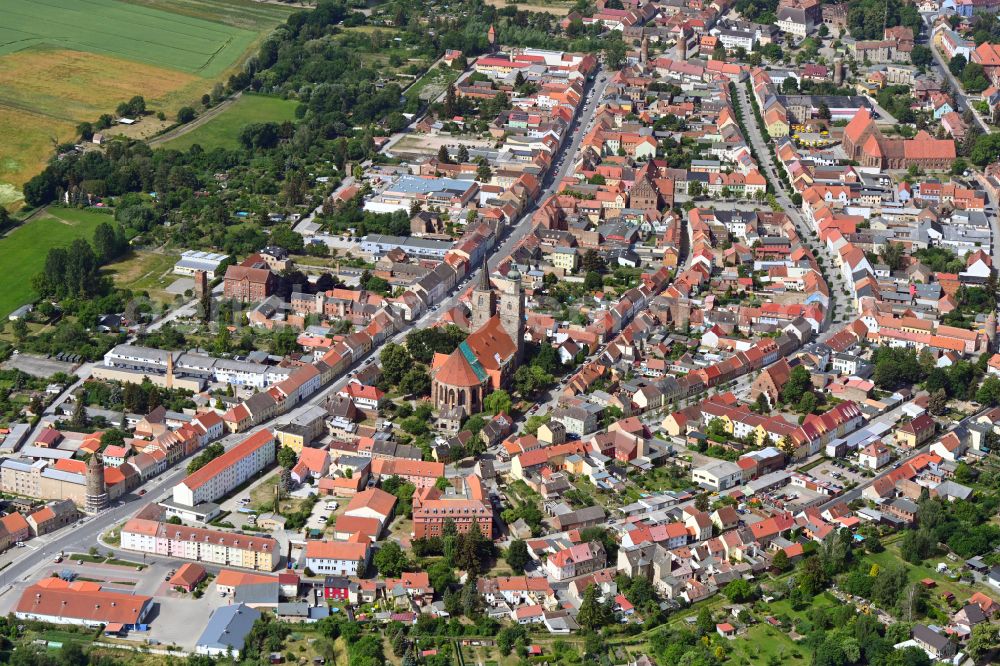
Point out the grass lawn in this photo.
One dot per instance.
(223, 130)
(433, 83)
(263, 495)
(761, 643)
(962, 590)
(144, 270)
(23, 251)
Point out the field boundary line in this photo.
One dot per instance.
(180, 130)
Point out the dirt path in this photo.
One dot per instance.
(194, 124)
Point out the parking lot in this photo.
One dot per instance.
(39, 366)
(839, 471)
(179, 619)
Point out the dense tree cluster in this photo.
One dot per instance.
(866, 18)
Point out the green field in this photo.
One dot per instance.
(134, 32)
(222, 130)
(247, 14)
(67, 61)
(23, 250)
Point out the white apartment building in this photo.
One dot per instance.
(337, 558)
(229, 471)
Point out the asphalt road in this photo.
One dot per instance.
(843, 306)
(84, 535)
(961, 99)
(855, 492)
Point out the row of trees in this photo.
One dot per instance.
(74, 272)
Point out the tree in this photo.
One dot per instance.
(592, 261)
(704, 624)
(780, 562)
(974, 78)
(614, 52)
(79, 417)
(593, 281)
(921, 56)
(824, 111)
(20, 329)
(938, 402)
(287, 457)
(441, 575)
(917, 545)
(893, 254)
(593, 613)
(812, 578)
(799, 382)
(395, 361)
(957, 65)
(517, 555)
(113, 437)
(989, 391)
(807, 404)
(390, 560)
(508, 636)
(443, 156)
(498, 401)
(739, 590)
(983, 640)
(463, 152)
(483, 172)
(185, 114)
(416, 382)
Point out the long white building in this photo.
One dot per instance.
(229, 471)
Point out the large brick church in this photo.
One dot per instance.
(487, 359)
(864, 143)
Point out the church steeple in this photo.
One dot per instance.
(483, 301)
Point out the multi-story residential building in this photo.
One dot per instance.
(578, 560)
(227, 472)
(338, 558)
(463, 504)
(874, 456)
(914, 433)
(421, 473)
(199, 544)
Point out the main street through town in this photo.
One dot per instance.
(80, 537)
(842, 302)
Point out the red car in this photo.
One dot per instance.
(142, 492)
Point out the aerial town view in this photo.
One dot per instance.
(499, 332)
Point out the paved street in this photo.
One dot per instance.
(843, 305)
(894, 415)
(961, 99)
(81, 537)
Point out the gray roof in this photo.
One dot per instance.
(228, 627)
(926, 635)
(257, 593)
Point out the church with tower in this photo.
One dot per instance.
(487, 359)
